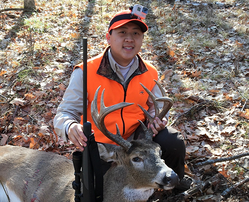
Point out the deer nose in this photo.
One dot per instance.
(172, 179)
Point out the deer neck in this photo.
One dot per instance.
(139, 194)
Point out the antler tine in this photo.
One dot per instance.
(168, 103)
(166, 106)
(98, 119)
(147, 131)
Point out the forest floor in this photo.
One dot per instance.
(200, 49)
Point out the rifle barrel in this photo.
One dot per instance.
(84, 80)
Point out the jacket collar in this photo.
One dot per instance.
(106, 70)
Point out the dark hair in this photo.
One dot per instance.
(110, 32)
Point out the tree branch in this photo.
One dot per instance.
(195, 109)
(196, 189)
(15, 9)
(222, 159)
(228, 190)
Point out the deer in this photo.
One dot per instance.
(137, 168)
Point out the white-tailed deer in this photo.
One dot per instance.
(28, 175)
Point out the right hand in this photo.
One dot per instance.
(76, 135)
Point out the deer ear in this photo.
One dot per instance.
(107, 152)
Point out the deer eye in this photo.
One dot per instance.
(137, 159)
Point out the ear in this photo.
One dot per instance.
(108, 37)
(107, 152)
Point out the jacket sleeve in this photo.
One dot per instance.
(156, 91)
(71, 108)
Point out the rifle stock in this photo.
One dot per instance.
(87, 175)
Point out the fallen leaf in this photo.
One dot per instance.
(19, 121)
(214, 91)
(191, 149)
(224, 172)
(75, 35)
(29, 96)
(244, 115)
(219, 41)
(33, 143)
(170, 52)
(166, 75)
(62, 87)
(196, 73)
(3, 72)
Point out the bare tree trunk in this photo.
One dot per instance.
(29, 5)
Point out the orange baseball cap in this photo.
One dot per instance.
(124, 17)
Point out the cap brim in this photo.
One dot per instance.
(120, 23)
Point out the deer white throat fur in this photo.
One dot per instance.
(137, 168)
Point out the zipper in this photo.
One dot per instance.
(122, 118)
(125, 87)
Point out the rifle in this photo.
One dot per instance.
(89, 161)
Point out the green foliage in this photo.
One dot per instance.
(25, 74)
(35, 24)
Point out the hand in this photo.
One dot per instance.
(157, 125)
(76, 135)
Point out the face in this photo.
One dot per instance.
(125, 42)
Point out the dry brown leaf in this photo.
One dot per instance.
(39, 94)
(192, 138)
(238, 44)
(224, 172)
(166, 75)
(196, 73)
(35, 67)
(48, 115)
(29, 96)
(244, 115)
(33, 143)
(219, 41)
(191, 149)
(179, 95)
(170, 52)
(3, 72)
(62, 87)
(229, 98)
(214, 91)
(19, 121)
(75, 35)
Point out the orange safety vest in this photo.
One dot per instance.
(99, 73)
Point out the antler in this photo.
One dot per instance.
(166, 107)
(98, 118)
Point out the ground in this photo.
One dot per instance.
(200, 49)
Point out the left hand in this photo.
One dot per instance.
(157, 125)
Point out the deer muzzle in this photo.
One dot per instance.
(167, 179)
(171, 181)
